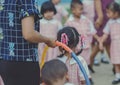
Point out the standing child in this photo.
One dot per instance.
(70, 37)
(48, 27)
(113, 28)
(61, 11)
(84, 26)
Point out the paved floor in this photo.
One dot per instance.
(103, 74)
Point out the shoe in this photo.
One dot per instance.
(91, 69)
(96, 62)
(104, 60)
(91, 82)
(116, 81)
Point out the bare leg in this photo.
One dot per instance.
(95, 50)
(107, 46)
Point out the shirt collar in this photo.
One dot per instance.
(115, 20)
(47, 21)
(71, 18)
(64, 59)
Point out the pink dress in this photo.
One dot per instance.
(49, 28)
(113, 28)
(74, 72)
(1, 81)
(61, 12)
(85, 27)
(88, 10)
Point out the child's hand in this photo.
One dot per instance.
(99, 39)
(101, 47)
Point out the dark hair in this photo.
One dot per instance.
(53, 70)
(70, 37)
(113, 6)
(74, 2)
(48, 6)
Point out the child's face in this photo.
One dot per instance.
(111, 14)
(56, 1)
(48, 15)
(77, 10)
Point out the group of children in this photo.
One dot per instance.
(77, 27)
(60, 68)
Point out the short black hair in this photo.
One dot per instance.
(74, 2)
(53, 70)
(114, 6)
(48, 6)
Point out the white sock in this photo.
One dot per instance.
(117, 75)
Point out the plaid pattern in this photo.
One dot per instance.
(74, 72)
(113, 28)
(14, 47)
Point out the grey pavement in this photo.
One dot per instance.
(103, 74)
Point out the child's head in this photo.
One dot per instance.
(55, 2)
(68, 36)
(113, 10)
(76, 8)
(48, 10)
(54, 71)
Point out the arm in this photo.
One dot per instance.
(96, 37)
(98, 8)
(31, 35)
(102, 40)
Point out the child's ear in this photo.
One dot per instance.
(67, 77)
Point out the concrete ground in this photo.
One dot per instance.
(103, 74)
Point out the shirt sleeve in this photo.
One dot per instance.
(106, 30)
(28, 8)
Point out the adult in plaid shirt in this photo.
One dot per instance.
(19, 21)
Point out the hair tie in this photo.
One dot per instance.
(64, 38)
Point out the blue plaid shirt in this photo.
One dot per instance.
(14, 47)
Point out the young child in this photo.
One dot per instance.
(112, 28)
(48, 27)
(61, 11)
(70, 37)
(84, 26)
(54, 72)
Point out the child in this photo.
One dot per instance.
(84, 26)
(48, 27)
(61, 11)
(113, 28)
(54, 72)
(70, 37)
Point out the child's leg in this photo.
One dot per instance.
(95, 50)
(117, 74)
